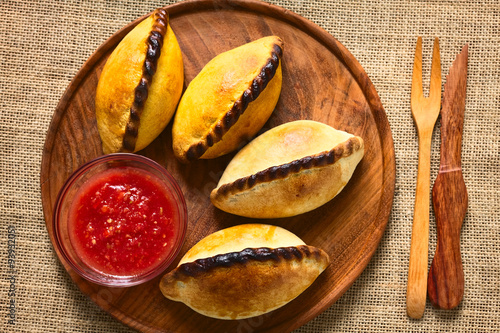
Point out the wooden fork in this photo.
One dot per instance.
(425, 111)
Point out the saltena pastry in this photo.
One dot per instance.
(244, 271)
(140, 86)
(290, 169)
(229, 101)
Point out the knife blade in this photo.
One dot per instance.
(445, 285)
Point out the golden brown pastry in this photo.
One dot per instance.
(244, 271)
(229, 101)
(140, 86)
(290, 169)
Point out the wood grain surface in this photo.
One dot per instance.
(425, 112)
(322, 81)
(449, 195)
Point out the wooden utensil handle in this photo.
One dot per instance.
(416, 292)
(446, 276)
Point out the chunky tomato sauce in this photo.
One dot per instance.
(122, 222)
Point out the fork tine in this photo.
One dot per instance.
(417, 93)
(435, 87)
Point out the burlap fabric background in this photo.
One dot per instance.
(44, 43)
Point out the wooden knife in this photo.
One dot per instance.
(445, 284)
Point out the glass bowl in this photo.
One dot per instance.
(120, 220)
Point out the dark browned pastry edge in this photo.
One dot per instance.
(262, 254)
(344, 149)
(154, 44)
(258, 85)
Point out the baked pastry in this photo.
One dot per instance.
(140, 86)
(244, 271)
(290, 169)
(229, 101)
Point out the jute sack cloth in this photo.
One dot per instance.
(44, 43)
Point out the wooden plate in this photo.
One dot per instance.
(321, 81)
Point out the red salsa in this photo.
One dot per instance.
(123, 222)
